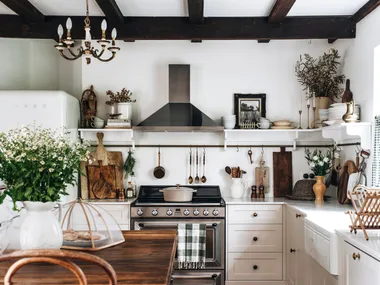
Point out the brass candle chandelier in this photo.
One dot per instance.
(87, 50)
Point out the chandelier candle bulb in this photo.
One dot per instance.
(114, 34)
(60, 32)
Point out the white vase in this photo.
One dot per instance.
(238, 188)
(40, 228)
(125, 109)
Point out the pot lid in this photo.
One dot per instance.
(179, 187)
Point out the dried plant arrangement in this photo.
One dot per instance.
(120, 97)
(321, 76)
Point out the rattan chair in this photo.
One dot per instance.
(58, 257)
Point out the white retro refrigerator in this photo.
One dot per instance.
(50, 109)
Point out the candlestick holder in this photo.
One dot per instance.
(308, 116)
(315, 117)
(300, 122)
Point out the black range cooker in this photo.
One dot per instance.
(150, 212)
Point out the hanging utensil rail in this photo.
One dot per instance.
(222, 146)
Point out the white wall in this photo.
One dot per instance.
(28, 64)
(360, 65)
(218, 70)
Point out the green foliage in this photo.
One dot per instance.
(36, 164)
(319, 163)
(321, 76)
(129, 164)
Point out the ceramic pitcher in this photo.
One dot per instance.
(238, 188)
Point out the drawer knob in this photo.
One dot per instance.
(292, 250)
(255, 267)
(254, 214)
(298, 216)
(255, 239)
(356, 256)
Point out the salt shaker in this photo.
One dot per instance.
(254, 192)
(261, 191)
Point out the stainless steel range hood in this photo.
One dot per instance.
(179, 115)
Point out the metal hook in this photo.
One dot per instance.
(159, 148)
(237, 148)
(190, 150)
(262, 150)
(204, 149)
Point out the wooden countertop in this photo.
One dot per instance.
(146, 257)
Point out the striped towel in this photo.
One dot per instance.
(191, 249)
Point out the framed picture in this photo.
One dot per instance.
(249, 108)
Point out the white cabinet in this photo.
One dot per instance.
(254, 244)
(359, 268)
(295, 253)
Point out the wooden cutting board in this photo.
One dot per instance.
(100, 159)
(101, 181)
(282, 173)
(349, 167)
(347, 95)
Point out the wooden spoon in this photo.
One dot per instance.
(204, 179)
(228, 170)
(197, 161)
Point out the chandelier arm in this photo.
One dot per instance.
(108, 59)
(80, 52)
(68, 58)
(95, 53)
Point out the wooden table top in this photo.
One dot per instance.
(146, 257)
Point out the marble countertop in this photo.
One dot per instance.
(328, 217)
(371, 246)
(126, 201)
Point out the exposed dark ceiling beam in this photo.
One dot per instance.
(111, 10)
(196, 14)
(331, 41)
(178, 28)
(263, 41)
(365, 10)
(25, 10)
(196, 11)
(279, 11)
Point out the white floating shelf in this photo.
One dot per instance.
(111, 136)
(257, 136)
(348, 131)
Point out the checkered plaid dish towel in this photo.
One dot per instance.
(191, 251)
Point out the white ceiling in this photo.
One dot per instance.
(5, 10)
(213, 8)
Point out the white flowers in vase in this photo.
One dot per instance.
(36, 164)
(319, 162)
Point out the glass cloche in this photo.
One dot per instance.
(87, 226)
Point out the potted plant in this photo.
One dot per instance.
(320, 164)
(321, 77)
(123, 102)
(36, 164)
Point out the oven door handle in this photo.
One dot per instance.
(213, 277)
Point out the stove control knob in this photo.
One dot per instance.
(215, 212)
(154, 212)
(169, 212)
(186, 212)
(206, 212)
(140, 212)
(196, 212)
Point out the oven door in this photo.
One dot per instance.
(215, 230)
(198, 278)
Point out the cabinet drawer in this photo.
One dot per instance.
(254, 238)
(318, 247)
(119, 212)
(254, 266)
(254, 214)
